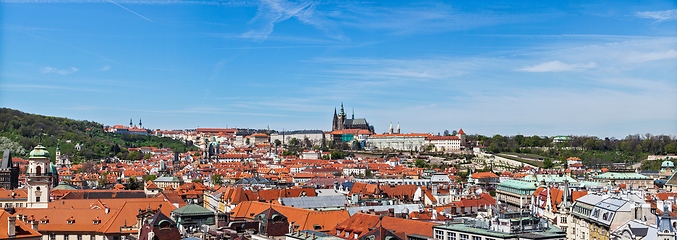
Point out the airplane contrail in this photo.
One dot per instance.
(130, 10)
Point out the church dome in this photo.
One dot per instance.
(39, 152)
(667, 163)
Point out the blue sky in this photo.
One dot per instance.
(604, 68)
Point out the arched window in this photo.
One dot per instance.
(38, 171)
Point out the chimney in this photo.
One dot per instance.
(11, 226)
(34, 224)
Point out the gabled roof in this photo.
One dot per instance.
(360, 223)
(151, 185)
(480, 175)
(305, 219)
(22, 229)
(159, 217)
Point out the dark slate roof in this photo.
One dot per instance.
(639, 231)
(159, 217)
(355, 122)
(6, 160)
(672, 181)
(301, 132)
(254, 180)
(315, 202)
(104, 194)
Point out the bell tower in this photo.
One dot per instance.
(38, 178)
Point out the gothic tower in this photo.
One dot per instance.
(334, 122)
(38, 178)
(341, 118)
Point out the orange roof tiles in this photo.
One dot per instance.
(22, 229)
(305, 219)
(480, 175)
(360, 223)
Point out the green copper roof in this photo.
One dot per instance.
(39, 152)
(517, 184)
(64, 186)
(192, 210)
(549, 178)
(622, 176)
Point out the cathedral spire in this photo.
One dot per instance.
(130, 122)
(343, 112)
(353, 113)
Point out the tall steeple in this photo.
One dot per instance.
(390, 129)
(343, 112)
(140, 126)
(38, 178)
(353, 117)
(130, 123)
(398, 128)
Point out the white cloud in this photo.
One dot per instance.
(659, 15)
(271, 12)
(419, 19)
(557, 66)
(64, 72)
(651, 56)
(105, 68)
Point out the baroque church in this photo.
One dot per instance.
(342, 122)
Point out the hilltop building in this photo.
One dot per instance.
(342, 122)
(132, 129)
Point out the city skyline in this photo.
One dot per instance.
(515, 67)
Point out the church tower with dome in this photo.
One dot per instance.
(38, 178)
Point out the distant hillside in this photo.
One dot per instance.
(26, 130)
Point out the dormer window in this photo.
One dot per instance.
(44, 220)
(96, 221)
(70, 220)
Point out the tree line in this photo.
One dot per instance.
(28, 130)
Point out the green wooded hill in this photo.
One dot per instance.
(21, 131)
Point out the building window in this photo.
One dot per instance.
(563, 219)
(464, 236)
(79, 237)
(439, 234)
(451, 236)
(476, 238)
(52, 236)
